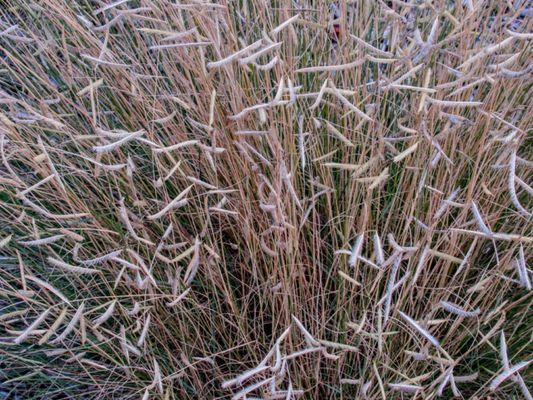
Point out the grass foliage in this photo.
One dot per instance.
(276, 200)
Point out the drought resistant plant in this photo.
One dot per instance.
(276, 200)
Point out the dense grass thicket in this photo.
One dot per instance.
(265, 199)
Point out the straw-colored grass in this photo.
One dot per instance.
(275, 200)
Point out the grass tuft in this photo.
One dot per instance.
(276, 200)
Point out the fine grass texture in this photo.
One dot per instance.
(275, 200)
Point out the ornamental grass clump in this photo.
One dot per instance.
(265, 200)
